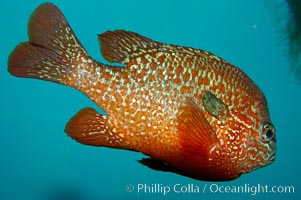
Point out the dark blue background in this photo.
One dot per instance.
(38, 160)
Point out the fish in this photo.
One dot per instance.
(189, 111)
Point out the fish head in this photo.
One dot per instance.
(244, 128)
(259, 146)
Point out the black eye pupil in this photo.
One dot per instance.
(269, 133)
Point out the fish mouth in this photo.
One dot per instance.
(271, 158)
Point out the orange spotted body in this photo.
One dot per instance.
(187, 109)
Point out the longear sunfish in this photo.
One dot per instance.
(190, 111)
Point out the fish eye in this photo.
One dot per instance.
(268, 132)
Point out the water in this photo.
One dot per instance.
(38, 160)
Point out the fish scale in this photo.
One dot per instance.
(185, 108)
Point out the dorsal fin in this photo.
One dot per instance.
(119, 46)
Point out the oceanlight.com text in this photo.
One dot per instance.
(250, 189)
(214, 188)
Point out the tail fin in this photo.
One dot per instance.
(52, 48)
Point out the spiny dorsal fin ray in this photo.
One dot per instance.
(119, 46)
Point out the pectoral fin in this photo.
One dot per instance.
(195, 132)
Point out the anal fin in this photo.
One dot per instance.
(92, 128)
